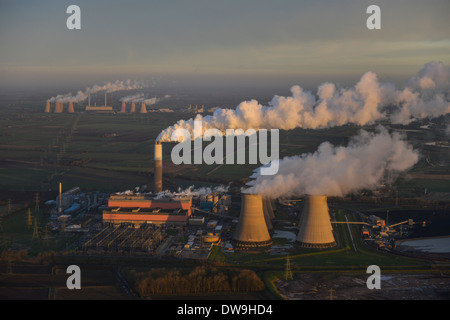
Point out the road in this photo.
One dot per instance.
(125, 286)
(350, 232)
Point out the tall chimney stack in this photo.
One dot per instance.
(143, 108)
(133, 107)
(158, 167)
(47, 107)
(105, 99)
(315, 229)
(252, 229)
(60, 198)
(89, 100)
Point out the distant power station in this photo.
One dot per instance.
(315, 230)
(104, 108)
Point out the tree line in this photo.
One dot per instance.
(200, 280)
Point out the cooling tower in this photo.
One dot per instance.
(47, 107)
(133, 107)
(143, 108)
(315, 229)
(70, 108)
(158, 167)
(59, 107)
(267, 209)
(270, 208)
(124, 107)
(251, 230)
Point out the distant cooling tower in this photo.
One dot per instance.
(143, 108)
(315, 229)
(47, 107)
(158, 167)
(133, 107)
(124, 107)
(252, 229)
(70, 109)
(59, 107)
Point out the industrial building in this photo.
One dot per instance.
(138, 209)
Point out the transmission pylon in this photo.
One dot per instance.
(9, 269)
(331, 293)
(288, 274)
(29, 219)
(45, 237)
(36, 208)
(35, 231)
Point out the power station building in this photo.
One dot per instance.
(138, 209)
(104, 108)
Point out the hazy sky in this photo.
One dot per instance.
(273, 42)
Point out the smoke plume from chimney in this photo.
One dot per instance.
(426, 95)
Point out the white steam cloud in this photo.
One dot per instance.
(117, 85)
(336, 171)
(192, 192)
(133, 98)
(137, 98)
(426, 95)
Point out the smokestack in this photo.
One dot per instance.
(158, 167)
(133, 107)
(47, 107)
(143, 108)
(70, 108)
(105, 99)
(60, 198)
(252, 229)
(315, 229)
(124, 107)
(89, 100)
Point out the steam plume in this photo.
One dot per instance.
(337, 171)
(108, 87)
(191, 192)
(140, 98)
(425, 95)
